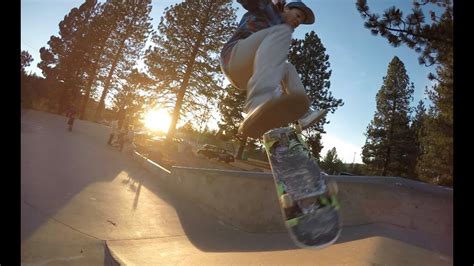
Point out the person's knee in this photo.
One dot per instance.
(290, 68)
(283, 29)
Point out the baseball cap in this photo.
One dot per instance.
(309, 18)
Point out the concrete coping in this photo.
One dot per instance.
(227, 173)
(152, 162)
(381, 180)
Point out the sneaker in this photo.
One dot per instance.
(273, 113)
(311, 117)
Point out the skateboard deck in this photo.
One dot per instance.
(307, 199)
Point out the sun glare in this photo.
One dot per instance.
(158, 120)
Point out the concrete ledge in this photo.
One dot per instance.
(247, 200)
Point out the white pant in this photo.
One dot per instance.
(259, 64)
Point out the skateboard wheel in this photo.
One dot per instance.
(286, 201)
(298, 129)
(332, 188)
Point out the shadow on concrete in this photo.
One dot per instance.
(56, 164)
(412, 237)
(209, 234)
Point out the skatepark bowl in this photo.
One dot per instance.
(387, 221)
(86, 203)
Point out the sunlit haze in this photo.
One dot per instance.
(157, 119)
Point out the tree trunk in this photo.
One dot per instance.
(101, 106)
(240, 152)
(91, 81)
(63, 100)
(182, 92)
(184, 85)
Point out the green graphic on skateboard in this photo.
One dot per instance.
(307, 199)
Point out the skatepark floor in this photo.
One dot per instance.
(208, 241)
(85, 203)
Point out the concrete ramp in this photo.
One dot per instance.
(233, 218)
(368, 251)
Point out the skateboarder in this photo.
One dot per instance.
(255, 60)
(113, 131)
(71, 115)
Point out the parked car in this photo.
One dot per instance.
(155, 146)
(212, 151)
(345, 173)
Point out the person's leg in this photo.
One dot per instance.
(258, 64)
(291, 80)
(241, 65)
(70, 123)
(110, 139)
(292, 84)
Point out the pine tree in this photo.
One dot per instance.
(389, 140)
(185, 60)
(94, 47)
(312, 63)
(25, 60)
(62, 62)
(331, 163)
(132, 97)
(434, 42)
(435, 165)
(26, 98)
(231, 108)
(418, 131)
(126, 44)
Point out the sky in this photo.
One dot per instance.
(358, 59)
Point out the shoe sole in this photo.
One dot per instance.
(323, 113)
(273, 114)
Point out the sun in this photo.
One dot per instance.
(158, 120)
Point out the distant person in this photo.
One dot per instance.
(121, 116)
(113, 131)
(129, 141)
(71, 115)
(122, 136)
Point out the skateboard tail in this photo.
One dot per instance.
(316, 231)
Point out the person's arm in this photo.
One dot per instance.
(253, 5)
(266, 8)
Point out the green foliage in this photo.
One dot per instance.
(25, 60)
(435, 164)
(126, 43)
(312, 63)
(231, 107)
(185, 58)
(358, 169)
(434, 42)
(132, 96)
(97, 46)
(62, 62)
(331, 164)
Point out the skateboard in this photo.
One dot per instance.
(307, 198)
